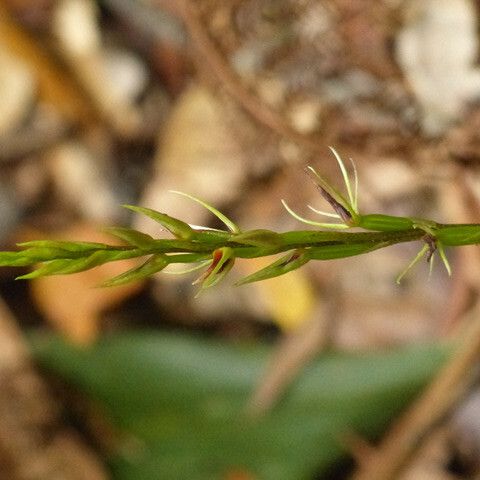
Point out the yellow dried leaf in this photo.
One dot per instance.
(288, 299)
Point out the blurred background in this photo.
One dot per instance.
(111, 102)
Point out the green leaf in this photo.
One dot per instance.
(132, 237)
(153, 265)
(182, 399)
(283, 265)
(178, 228)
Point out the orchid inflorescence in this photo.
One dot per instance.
(215, 250)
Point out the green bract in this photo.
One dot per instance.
(215, 251)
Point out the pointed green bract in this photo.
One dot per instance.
(154, 264)
(384, 223)
(41, 254)
(211, 235)
(332, 252)
(78, 247)
(14, 259)
(199, 266)
(351, 194)
(228, 223)
(222, 262)
(67, 266)
(333, 226)
(132, 237)
(52, 267)
(423, 251)
(444, 258)
(457, 235)
(178, 228)
(258, 238)
(283, 265)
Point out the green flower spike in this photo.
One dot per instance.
(215, 250)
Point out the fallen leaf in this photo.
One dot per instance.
(183, 399)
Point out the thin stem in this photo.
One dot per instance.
(450, 385)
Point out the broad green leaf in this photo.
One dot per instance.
(182, 399)
(173, 225)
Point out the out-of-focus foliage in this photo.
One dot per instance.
(182, 399)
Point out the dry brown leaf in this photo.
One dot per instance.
(54, 83)
(198, 155)
(75, 24)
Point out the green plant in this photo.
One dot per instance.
(215, 250)
(177, 403)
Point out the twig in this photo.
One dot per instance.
(261, 112)
(435, 403)
(294, 352)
